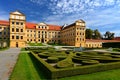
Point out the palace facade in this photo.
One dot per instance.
(19, 32)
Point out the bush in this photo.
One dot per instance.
(65, 63)
(79, 60)
(89, 62)
(115, 56)
(52, 59)
(79, 53)
(42, 55)
(61, 57)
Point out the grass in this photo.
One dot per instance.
(2, 49)
(35, 44)
(105, 75)
(55, 44)
(25, 69)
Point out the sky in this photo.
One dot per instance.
(103, 15)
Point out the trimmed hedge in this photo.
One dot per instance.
(111, 44)
(65, 64)
(89, 62)
(42, 55)
(71, 70)
(52, 59)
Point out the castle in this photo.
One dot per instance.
(20, 32)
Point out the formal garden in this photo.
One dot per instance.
(59, 64)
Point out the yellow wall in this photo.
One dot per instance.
(93, 44)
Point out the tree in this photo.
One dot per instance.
(88, 33)
(96, 34)
(109, 36)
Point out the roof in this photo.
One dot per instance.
(54, 27)
(3, 22)
(117, 38)
(17, 13)
(103, 41)
(30, 25)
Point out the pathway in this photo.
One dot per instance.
(8, 59)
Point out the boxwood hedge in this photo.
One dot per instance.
(53, 73)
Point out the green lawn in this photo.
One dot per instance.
(25, 69)
(105, 75)
(2, 49)
(35, 44)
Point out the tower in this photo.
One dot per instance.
(17, 29)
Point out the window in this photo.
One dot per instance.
(17, 30)
(12, 37)
(17, 37)
(17, 23)
(21, 37)
(21, 23)
(38, 31)
(21, 30)
(27, 30)
(12, 29)
(13, 22)
(0, 27)
(27, 39)
(38, 36)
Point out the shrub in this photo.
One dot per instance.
(42, 55)
(61, 57)
(65, 63)
(78, 60)
(52, 59)
(115, 56)
(89, 62)
(79, 53)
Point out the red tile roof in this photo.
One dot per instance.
(3, 22)
(93, 40)
(54, 27)
(117, 38)
(30, 25)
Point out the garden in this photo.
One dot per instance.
(57, 64)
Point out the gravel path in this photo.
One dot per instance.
(8, 59)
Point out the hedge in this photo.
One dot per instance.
(53, 73)
(45, 67)
(65, 72)
(111, 44)
(52, 59)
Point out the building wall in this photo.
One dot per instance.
(74, 34)
(93, 45)
(17, 29)
(4, 32)
(19, 35)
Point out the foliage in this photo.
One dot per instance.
(88, 33)
(111, 44)
(93, 34)
(35, 44)
(52, 59)
(27, 68)
(109, 35)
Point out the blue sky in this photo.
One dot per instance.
(103, 15)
